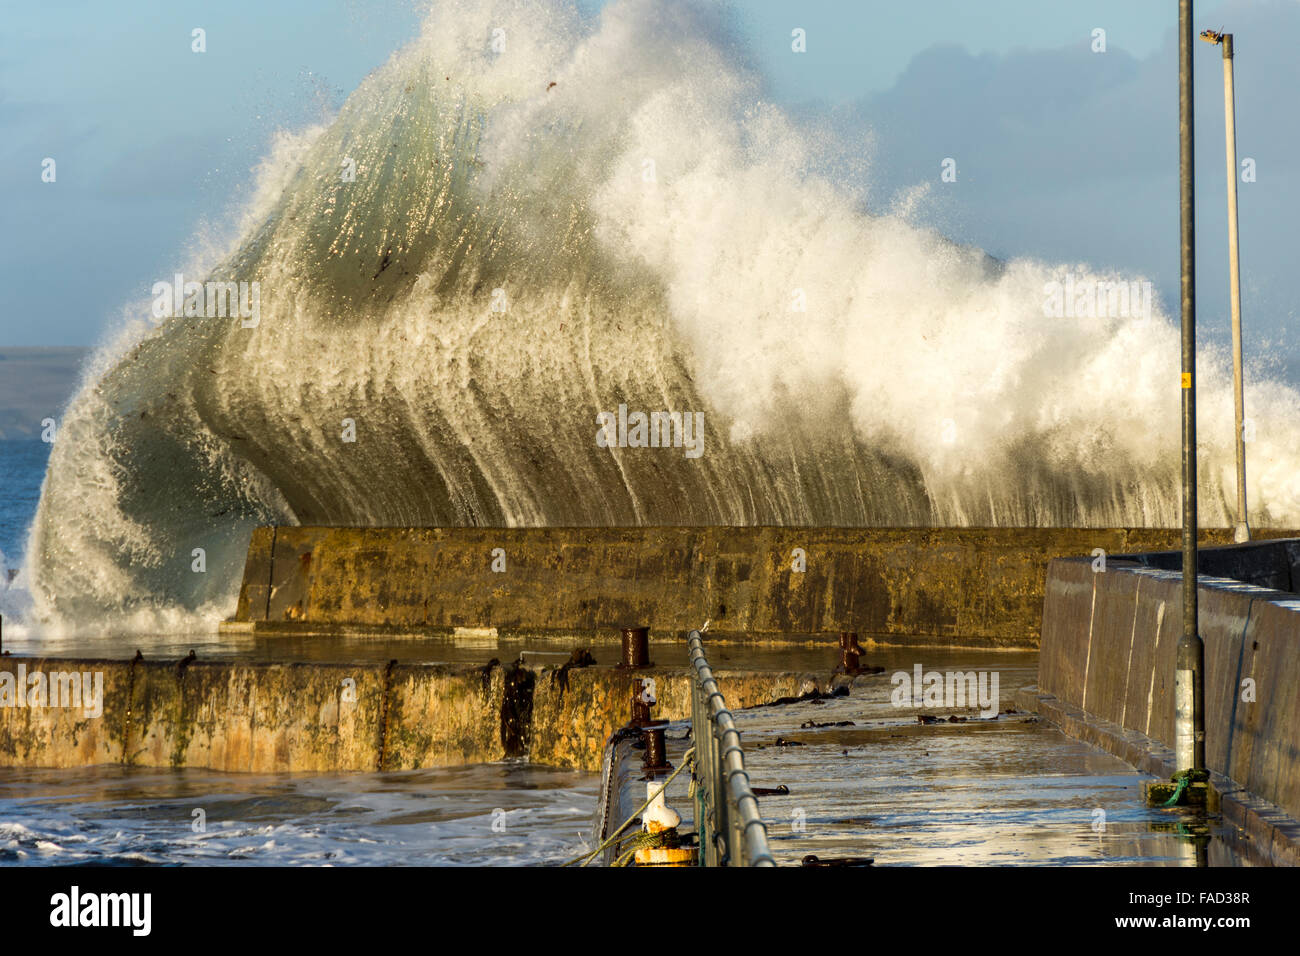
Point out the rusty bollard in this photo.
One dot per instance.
(641, 702)
(652, 731)
(655, 760)
(636, 647)
(850, 653)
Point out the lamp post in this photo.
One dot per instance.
(1242, 531)
(1189, 710)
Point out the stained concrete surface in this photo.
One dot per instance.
(978, 587)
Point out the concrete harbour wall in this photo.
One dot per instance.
(323, 717)
(978, 587)
(1268, 564)
(1109, 646)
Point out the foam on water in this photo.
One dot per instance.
(650, 220)
(493, 814)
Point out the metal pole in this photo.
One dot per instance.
(1242, 532)
(1189, 729)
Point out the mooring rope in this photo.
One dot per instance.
(586, 858)
(1178, 793)
(642, 841)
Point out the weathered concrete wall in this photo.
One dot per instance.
(966, 586)
(1109, 648)
(574, 716)
(260, 717)
(256, 717)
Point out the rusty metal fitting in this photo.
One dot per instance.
(636, 647)
(655, 759)
(641, 704)
(668, 856)
(850, 653)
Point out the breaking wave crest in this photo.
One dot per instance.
(600, 213)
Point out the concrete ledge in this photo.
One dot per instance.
(325, 717)
(1271, 564)
(1269, 834)
(972, 587)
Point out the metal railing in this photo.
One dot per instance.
(726, 811)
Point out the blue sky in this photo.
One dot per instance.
(857, 47)
(1066, 155)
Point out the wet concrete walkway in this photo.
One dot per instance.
(1008, 790)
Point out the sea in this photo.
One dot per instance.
(22, 466)
(500, 814)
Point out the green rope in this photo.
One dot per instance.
(1178, 792)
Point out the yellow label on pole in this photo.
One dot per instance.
(1187, 380)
